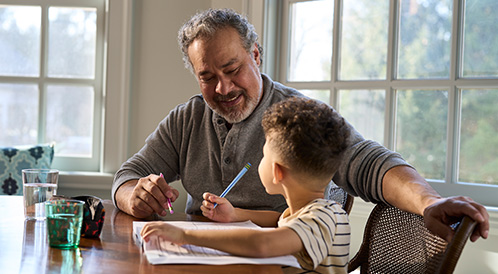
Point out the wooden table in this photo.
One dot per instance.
(24, 247)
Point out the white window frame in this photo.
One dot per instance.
(113, 107)
(43, 81)
(278, 47)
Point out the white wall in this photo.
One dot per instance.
(159, 79)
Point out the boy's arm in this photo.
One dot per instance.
(264, 218)
(242, 242)
(224, 212)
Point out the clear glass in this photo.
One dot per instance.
(20, 40)
(72, 42)
(364, 40)
(70, 119)
(424, 46)
(421, 125)
(478, 159)
(310, 41)
(480, 53)
(18, 114)
(365, 110)
(39, 185)
(318, 94)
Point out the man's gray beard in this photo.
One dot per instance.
(239, 116)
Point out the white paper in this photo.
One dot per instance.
(159, 251)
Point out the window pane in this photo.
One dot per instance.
(479, 141)
(421, 130)
(318, 94)
(365, 110)
(480, 53)
(72, 38)
(70, 119)
(364, 40)
(424, 46)
(18, 114)
(20, 40)
(311, 41)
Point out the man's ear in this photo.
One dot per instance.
(278, 173)
(256, 55)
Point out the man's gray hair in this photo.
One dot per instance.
(205, 25)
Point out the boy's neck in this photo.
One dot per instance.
(297, 197)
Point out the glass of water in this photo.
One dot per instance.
(39, 185)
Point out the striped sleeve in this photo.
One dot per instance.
(323, 227)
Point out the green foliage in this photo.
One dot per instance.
(481, 25)
(479, 139)
(421, 131)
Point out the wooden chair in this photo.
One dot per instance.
(336, 193)
(396, 241)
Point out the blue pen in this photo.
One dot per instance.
(235, 180)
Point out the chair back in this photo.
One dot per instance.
(336, 193)
(396, 241)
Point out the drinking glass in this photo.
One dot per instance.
(39, 185)
(64, 218)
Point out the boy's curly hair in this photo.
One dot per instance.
(309, 136)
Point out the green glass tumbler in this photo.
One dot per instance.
(64, 218)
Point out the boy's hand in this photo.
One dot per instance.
(224, 211)
(165, 231)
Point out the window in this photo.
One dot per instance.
(53, 59)
(51, 78)
(418, 76)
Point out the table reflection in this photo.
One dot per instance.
(34, 246)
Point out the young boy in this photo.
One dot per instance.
(305, 140)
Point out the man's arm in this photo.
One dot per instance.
(377, 174)
(242, 242)
(404, 188)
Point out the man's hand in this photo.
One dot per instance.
(141, 198)
(446, 211)
(224, 211)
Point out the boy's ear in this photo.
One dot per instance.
(278, 172)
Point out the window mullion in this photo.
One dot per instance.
(454, 99)
(390, 113)
(286, 38)
(453, 134)
(334, 70)
(392, 41)
(42, 85)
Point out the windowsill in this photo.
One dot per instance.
(85, 180)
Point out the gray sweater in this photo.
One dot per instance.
(192, 144)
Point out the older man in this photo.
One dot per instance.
(207, 140)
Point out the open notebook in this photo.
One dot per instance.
(159, 251)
